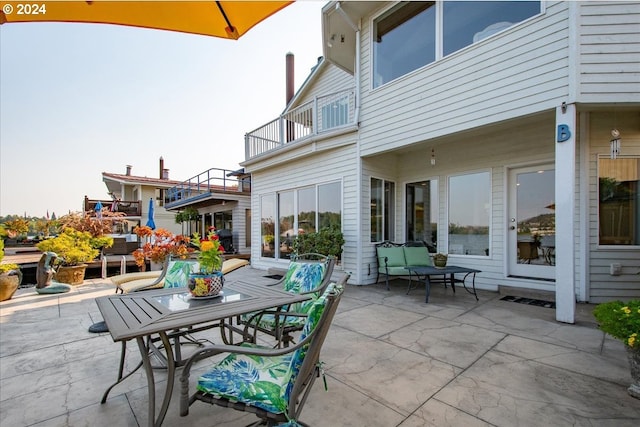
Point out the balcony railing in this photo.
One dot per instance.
(204, 184)
(126, 207)
(322, 114)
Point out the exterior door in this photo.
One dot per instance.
(531, 231)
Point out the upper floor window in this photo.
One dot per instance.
(413, 34)
(619, 202)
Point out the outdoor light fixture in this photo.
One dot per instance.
(615, 144)
(433, 157)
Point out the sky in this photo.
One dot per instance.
(77, 100)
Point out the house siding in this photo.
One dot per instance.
(609, 40)
(311, 170)
(603, 286)
(492, 150)
(515, 73)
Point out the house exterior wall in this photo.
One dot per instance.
(518, 72)
(238, 210)
(604, 286)
(493, 106)
(495, 150)
(609, 51)
(317, 168)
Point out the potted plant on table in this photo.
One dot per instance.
(622, 321)
(210, 280)
(10, 274)
(440, 260)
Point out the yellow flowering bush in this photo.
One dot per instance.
(620, 320)
(210, 255)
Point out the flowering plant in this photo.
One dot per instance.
(620, 320)
(210, 256)
(160, 244)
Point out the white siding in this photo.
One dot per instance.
(609, 51)
(603, 286)
(518, 72)
(326, 166)
(526, 143)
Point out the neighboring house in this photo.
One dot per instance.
(481, 128)
(222, 198)
(131, 195)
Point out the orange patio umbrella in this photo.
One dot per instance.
(225, 19)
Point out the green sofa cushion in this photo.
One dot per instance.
(417, 256)
(395, 257)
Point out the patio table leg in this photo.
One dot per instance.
(171, 368)
(120, 372)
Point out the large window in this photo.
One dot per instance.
(422, 213)
(268, 225)
(405, 39)
(382, 210)
(469, 213)
(619, 201)
(302, 210)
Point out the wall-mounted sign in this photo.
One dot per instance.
(564, 133)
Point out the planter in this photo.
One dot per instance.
(440, 261)
(633, 353)
(72, 275)
(9, 285)
(205, 285)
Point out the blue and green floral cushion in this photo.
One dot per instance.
(178, 273)
(304, 276)
(263, 382)
(300, 277)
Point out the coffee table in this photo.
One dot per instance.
(423, 274)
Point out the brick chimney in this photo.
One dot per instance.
(289, 93)
(129, 170)
(290, 77)
(162, 168)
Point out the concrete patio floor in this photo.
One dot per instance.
(390, 360)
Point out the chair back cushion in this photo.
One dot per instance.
(395, 257)
(417, 256)
(304, 276)
(263, 382)
(178, 271)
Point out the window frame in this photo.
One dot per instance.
(616, 247)
(447, 242)
(439, 40)
(275, 198)
(387, 211)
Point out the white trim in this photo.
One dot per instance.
(583, 283)
(565, 216)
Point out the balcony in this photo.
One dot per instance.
(126, 207)
(207, 185)
(322, 115)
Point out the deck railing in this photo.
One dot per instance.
(322, 114)
(126, 207)
(210, 181)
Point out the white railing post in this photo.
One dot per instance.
(314, 113)
(123, 265)
(104, 267)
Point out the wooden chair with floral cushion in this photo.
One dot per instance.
(307, 274)
(271, 383)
